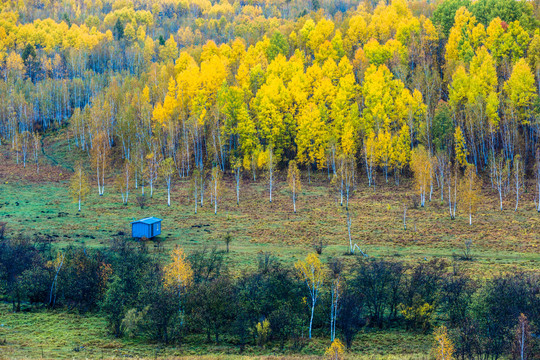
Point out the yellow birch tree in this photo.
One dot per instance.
(444, 348)
(178, 275)
(293, 179)
(312, 273)
(78, 186)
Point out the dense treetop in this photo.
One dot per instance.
(235, 84)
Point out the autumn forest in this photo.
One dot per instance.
(336, 179)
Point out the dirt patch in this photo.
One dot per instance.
(11, 171)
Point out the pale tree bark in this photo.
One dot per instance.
(253, 165)
(195, 176)
(442, 164)
(499, 171)
(168, 180)
(25, 135)
(352, 247)
(57, 268)
(537, 181)
(452, 192)
(293, 178)
(350, 169)
(312, 274)
(216, 186)
(368, 157)
(518, 176)
(294, 197)
(335, 287)
(202, 179)
(237, 177)
(167, 170)
(36, 145)
(405, 217)
(270, 166)
(152, 172)
(123, 182)
(100, 152)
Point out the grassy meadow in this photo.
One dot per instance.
(64, 335)
(39, 205)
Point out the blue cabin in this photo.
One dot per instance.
(148, 228)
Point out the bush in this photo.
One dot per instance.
(142, 200)
(2, 229)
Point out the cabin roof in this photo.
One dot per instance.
(149, 220)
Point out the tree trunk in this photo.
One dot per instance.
(349, 231)
(311, 318)
(405, 217)
(195, 194)
(238, 187)
(294, 195)
(341, 193)
(332, 316)
(271, 186)
(215, 196)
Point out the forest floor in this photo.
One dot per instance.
(39, 205)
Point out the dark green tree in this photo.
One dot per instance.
(507, 10)
(444, 14)
(278, 45)
(114, 304)
(118, 30)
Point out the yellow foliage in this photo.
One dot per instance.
(521, 91)
(421, 166)
(178, 272)
(293, 177)
(312, 136)
(418, 315)
(459, 49)
(460, 147)
(336, 351)
(443, 347)
(263, 332)
(311, 271)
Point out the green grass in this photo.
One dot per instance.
(65, 335)
(504, 241)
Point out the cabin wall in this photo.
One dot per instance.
(140, 230)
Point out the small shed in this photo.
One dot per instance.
(148, 228)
